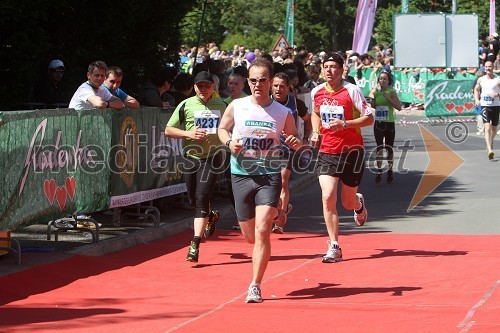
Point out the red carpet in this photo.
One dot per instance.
(386, 283)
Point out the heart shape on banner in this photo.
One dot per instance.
(61, 195)
(49, 188)
(449, 106)
(71, 186)
(459, 109)
(469, 106)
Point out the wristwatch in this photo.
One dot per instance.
(228, 142)
(345, 124)
(107, 104)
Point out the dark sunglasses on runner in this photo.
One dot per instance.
(261, 80)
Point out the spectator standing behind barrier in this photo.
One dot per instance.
(341, 154)
(151, 93)
(182, 87)
(113, 81)
(256, 123)
(385, 101)
(49, 90)
(280, 92)
(486, 94)
(236, 84)
(92, 94)
(200, 116)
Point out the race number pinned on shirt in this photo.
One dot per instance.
(207, 120)
(487, 100)
(329, 112)
(382, 112)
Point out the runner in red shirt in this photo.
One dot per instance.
(340, 110)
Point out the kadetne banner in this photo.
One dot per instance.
(53, 163)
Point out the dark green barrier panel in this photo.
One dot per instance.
(144, 163)
(47, 164)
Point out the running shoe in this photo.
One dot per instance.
(213, 217)
(236, 226)
(253, 294)
(277, 230)
(360, 218)
(280, 220)
(378, 178)
(491, 155)
(333, 254)
(193, 252)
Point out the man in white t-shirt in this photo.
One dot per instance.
(91, 94)
(486, 94)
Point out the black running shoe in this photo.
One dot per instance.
(193, 252)
(213, 217)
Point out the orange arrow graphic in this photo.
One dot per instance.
(442, 163)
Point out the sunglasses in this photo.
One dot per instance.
(57, 70)
(261, 80)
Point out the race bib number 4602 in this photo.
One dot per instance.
(329, 112)
(207, 120)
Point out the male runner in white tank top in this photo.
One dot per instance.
(256, 123)
(486, 94)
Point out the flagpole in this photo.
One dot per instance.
(199, 32)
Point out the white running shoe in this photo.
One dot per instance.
(253, 294)
(360, 218)
(333, 254)
(277, 230)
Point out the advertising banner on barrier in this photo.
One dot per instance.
(409, 85)
(449, 98)
(145, 163)
(53, 163)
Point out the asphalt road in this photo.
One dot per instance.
(464, 203)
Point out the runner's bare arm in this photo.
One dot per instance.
(316, 124)
(225, 127)
(291, 132)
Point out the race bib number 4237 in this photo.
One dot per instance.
(330, 112)
(207, 120)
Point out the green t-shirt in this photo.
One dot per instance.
(192, 112)
(230, 99)
(384, 111)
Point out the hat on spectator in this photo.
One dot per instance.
(495, 35)
(204, 76)
(322, 53)
(56, 64)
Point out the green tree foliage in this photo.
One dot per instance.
(259, 19)
(137, 36)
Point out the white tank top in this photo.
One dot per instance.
(489, 87)
(260, 129)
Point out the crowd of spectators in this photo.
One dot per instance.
(168, 86)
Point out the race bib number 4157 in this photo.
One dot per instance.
(330, 112)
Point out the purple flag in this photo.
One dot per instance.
(364, 25)
(493, 27)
